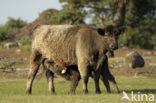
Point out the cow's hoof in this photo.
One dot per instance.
(72, 93)
(108, 91)
(52, 93)
(117, 89)
(98, 92)
(28, 92)
(118, 92)
(85, 91)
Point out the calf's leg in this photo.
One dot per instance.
(112, 80)
(106, 75)
(50, 79)
(49, 76)
(96, 73)
(75, 78)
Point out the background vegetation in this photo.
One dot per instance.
(140, 19)
(11, 26)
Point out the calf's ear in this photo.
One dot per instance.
(100, 31)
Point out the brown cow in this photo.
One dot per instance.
(68, 45)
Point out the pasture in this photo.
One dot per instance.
(13, 83)
(13, 91)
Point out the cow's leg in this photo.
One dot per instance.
(35, 64)
(106, 83)
(83, 69)
(50, 79)
(97, 73)
(96, 76)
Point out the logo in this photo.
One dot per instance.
(137, 97)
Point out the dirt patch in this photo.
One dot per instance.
(117, 66)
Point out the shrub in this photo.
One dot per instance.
(26, 45)
(11, 26)
(2, 34)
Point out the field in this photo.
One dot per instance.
(13, 83)
(12, 91)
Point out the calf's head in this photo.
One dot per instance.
(110, 36)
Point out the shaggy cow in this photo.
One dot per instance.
(68, 45)
(71, 73)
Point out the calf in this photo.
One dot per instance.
(71, 73)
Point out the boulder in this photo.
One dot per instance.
(134, 59)
(10, 45)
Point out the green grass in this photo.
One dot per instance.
(26, 45)
(13, 91)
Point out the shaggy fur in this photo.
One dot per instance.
(68, 45)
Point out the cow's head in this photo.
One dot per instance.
(110, 35)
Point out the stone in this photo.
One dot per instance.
(10, 45)
(134, 59)
(18, 51)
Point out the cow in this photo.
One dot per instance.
(72, 74)
(68, 45)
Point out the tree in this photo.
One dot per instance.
(72, 13)
(138, 16)
(140, 23)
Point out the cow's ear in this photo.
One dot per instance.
(100, 31)
(121, 30)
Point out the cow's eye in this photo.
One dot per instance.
(110, 32)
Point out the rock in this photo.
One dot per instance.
(148, 53)
(25, 59)
(134, 59)
(125, 48)
(10, 45)
(18, 51)
(154, 53)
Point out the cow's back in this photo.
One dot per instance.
(56, 42)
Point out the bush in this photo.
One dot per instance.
(143, 36)
(136, 39)
(11, 26)
(2, 34)
(26, 45)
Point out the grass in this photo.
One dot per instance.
(26, 45)
(13, 84)
(12, 91)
